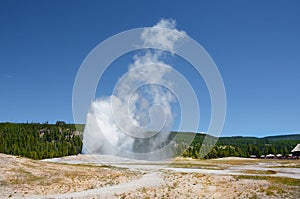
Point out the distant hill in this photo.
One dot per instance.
(200, 136)
(284, 137)
(289, 140)
(242, 146)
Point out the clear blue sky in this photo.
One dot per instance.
(255, 44)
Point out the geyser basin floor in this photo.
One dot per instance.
(102, 160)
(223, 166)
(184, 178)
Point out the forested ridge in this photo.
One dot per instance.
(40, 141)
(239, 146)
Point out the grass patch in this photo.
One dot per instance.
(22, 176)
(286, 166)
(259, 171)
(197, 167)
(91, 166)
(278, 167)
(277, 180)
(193, 165)
(19, 171)
(242, 161)
(253, 196)
(28, 179)
(3, 183)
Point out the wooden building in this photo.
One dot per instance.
(296, 150)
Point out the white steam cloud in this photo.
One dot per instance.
(137, 117)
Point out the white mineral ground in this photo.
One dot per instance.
(103, 176)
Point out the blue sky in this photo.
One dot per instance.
(255, 45)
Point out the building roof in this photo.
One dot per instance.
(297, 148)
(270, 155)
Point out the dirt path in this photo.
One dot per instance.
(148, 180)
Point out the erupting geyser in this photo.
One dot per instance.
(135, 121)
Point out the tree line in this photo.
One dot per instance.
(238, 146)
(39, 141)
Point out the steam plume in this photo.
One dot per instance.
(137, 117)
